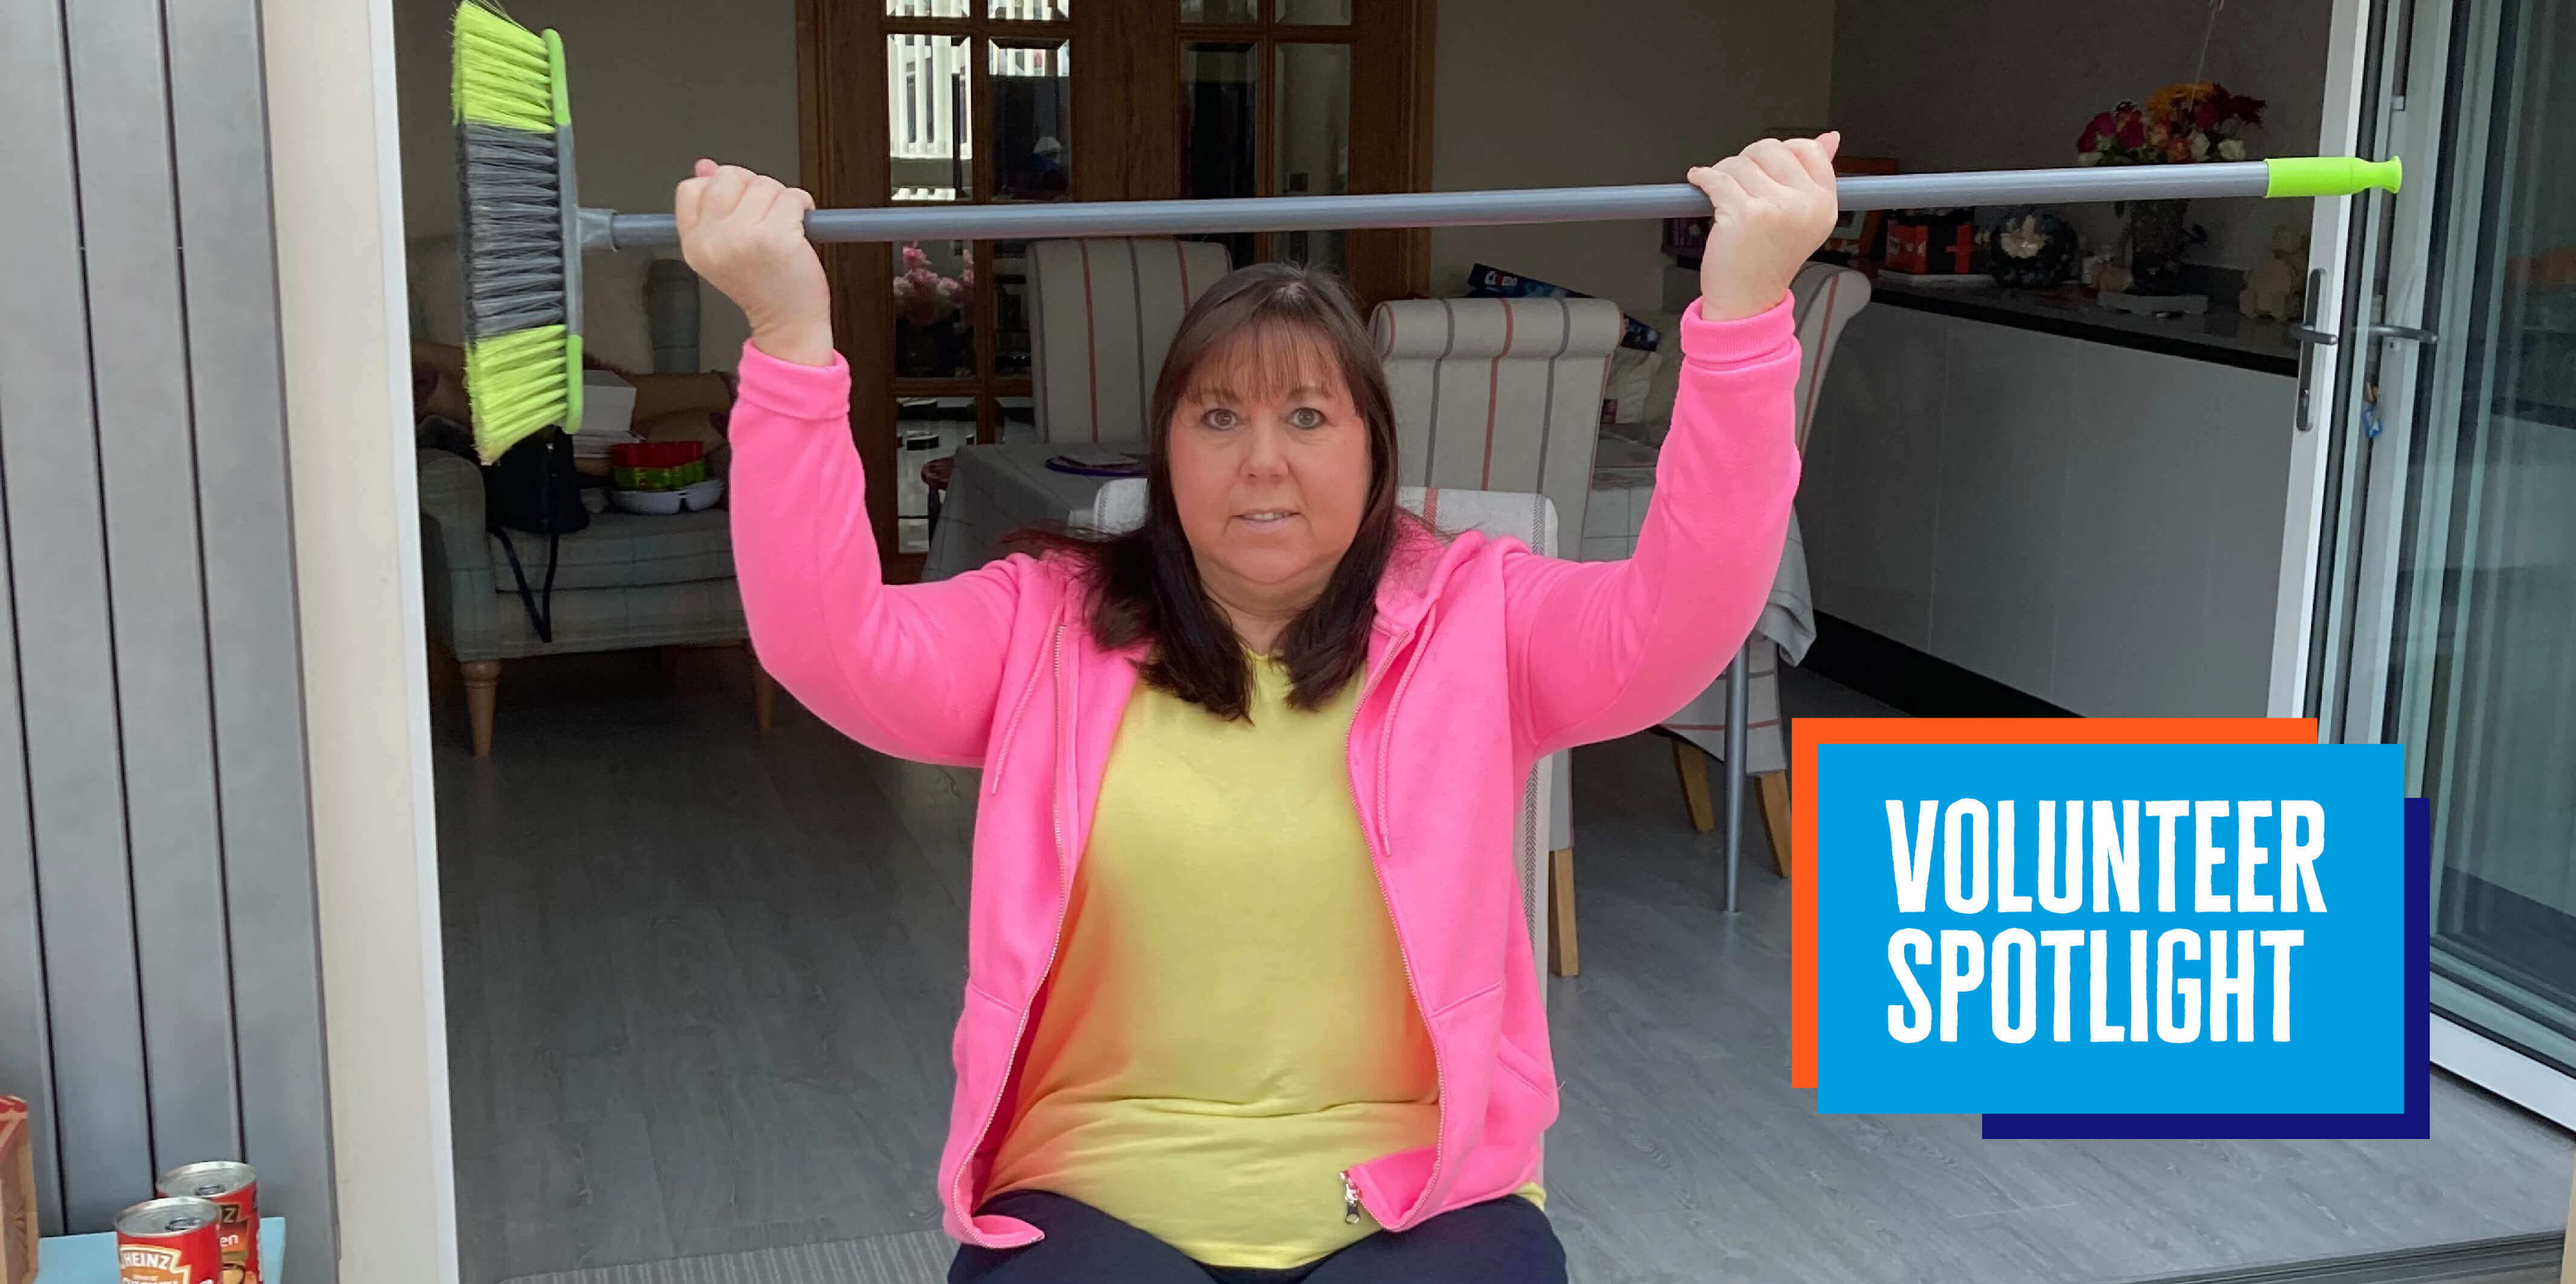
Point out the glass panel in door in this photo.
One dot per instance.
(1220, 11)
(1221, 128)
(1032, 117)
(2472, 416)
(1314, 141)
(1325, 12)
(929, 117)
(934, 310)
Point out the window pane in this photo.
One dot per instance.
(926, 8)
(929, 137)
(1011, 307)
(1220, 11)
(1314, 125)
(1019, 418)
(1331, 12)
(2487, 570)
(934, 311)
(1032, 109)
(1221, 99)
(925, 428)
(1030, 10)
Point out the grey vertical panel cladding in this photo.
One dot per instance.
(67, 688)
(152, 761)
(26, 1052)
(219, 122)
(147, 467)
(39, 277)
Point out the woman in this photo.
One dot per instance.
(1249, 993)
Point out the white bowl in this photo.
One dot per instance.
(697, 497)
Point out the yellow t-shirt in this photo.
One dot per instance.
(1229, 1026)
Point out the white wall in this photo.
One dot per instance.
(1991, 84)
(1542, 93)
(655, 85)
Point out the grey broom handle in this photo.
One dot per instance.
(1066, 219)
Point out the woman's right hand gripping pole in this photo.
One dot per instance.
(911, 670)
(745, 234)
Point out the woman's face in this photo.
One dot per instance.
(1269, 463)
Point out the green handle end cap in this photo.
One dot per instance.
(2331, 175)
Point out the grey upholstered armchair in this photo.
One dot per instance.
(626, 581)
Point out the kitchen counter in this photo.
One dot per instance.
(2228, 338)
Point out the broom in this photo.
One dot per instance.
(525, 233)
(515, 233)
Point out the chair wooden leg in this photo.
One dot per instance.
(1692, 765)
(482, 687)
(1775, 816)
(1561, 956)
(2567, 1250)
(764, 697)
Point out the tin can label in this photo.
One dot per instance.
(234, 1190)
(238, 1232)
(194, 1257)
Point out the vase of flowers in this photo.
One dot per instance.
(934, 335)
(2193, 121)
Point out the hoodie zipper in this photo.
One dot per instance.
(1439, 1074)
(1011, 733)
(1055, 943)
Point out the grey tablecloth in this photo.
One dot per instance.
(1001, 488)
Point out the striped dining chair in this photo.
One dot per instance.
(1499, 394)
(1505, 395)
(1824, 299)
(1101, 316)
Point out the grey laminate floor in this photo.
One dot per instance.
(700, 983)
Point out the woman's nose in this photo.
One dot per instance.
(1265, 453)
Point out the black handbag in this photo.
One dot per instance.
(532, 488)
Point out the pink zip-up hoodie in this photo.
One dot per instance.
(1485, 657)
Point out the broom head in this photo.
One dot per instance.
(521, 263)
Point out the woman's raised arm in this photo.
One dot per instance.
(1602, 649)
(911, 670)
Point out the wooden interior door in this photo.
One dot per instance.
(977, 101)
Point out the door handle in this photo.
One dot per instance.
(2310, 339)
(2410, 334)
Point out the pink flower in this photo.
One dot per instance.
(2133, 132)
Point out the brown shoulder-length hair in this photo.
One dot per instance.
(1273, 318)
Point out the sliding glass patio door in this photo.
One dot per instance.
(2447, 596)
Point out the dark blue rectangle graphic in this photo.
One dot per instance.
(2415, 1123)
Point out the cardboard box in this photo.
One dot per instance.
(17, 1194)
(607, 405)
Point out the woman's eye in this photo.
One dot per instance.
(1218, 417)
(1306, 417)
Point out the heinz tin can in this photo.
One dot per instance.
(234, 1188)
(169, 1241)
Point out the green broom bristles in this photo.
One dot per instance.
(522, 270)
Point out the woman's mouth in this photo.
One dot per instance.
(1267, 518)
